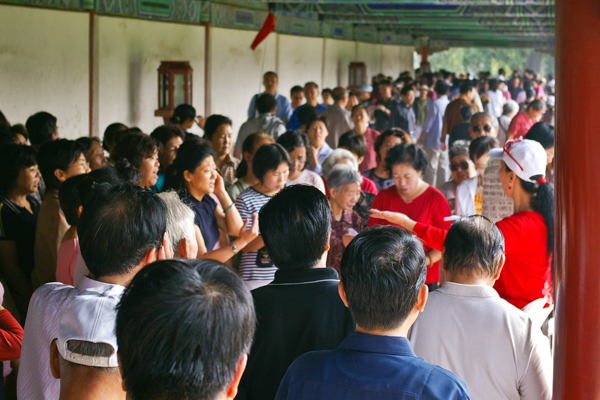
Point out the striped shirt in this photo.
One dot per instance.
(251, 269)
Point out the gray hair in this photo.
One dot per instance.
(180, 219)
(459, 148)
(334, 158)
(510, 107)
(342, 174)
(488, 115)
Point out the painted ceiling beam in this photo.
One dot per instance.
(483, 21)
(432, 3)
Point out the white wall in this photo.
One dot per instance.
(370, 54)
(338, 56)
(130, 52)
(236, 71)
(300, 60)
(44, 66)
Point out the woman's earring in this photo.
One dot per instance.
(510, 188)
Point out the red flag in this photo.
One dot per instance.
(268, 27)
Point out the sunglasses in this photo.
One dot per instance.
(477, 128)
(464, 165)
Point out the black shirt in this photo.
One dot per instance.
(383, 122)
(459, 132)
(300, 311)
(18, 224)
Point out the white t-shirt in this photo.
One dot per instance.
(309, 178)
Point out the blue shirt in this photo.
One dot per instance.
(294, 124)
(205, 218)
(325, 152)
(369, 367)
(432, 129)
(283, 112)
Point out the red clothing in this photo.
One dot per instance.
(350, 219)
(11, 337)
(367, 185)
(370, 160)
(430, 209)
(520, 125)
(527, 272)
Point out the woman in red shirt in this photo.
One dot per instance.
(414, 198)
(528, 233)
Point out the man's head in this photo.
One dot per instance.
(340, 96)
(121, 229)
(297, 96)
(42, 128)
(311, 92)
(442, 88)
(383, 274)
(184, 329)
(59, 160)
(510, 108)
(473, 249)
(327, 96)
(482, 124)
(385, 89)
(295, 226)
(85, 351)
(270, 82)
(467, 91)
(180, 225)
(408, 95)
(266, 104)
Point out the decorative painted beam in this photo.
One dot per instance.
(490, 21)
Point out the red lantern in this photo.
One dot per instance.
(174, 87)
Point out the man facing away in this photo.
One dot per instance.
(121, 230)
(184, 329)
(271, 83)
(84, 354)
(468, 329)
(300, 310)
(452, 115)
(383, 284)
(339, 120)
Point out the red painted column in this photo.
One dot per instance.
(425, 66)
(91, 72)
(577, 258)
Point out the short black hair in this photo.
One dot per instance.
(407, 154)
(481, 145)
(182, 113)
(357, 144)
(118, 226)
(295, 225)
(213, 123)
(466, 87)
(68, 198)
(182, 326)
(291, 140)
(306, 114)
(441, 87)
(295, 89)
(249, 146)
(189, 156)
(386, 82)
(110, 138)
(130, 152)
(265, 103)
(382, 271)
(466, 112)
(19, 129)
(57, 154)
(359, 107)
(542, 133)
(267, 158)
(339, 93)
(311, 83)
(270, 73)
(164, 133)
(7, 136)
(40, 126)
(14, 158)
(86, 142)
(406, 89)
(473, 244)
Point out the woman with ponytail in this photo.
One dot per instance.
(528, 233)
(245, 176)
(184, 117)
(194, 176)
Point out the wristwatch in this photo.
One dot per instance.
(234, 248)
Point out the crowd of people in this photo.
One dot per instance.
(370, 245)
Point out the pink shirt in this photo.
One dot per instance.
(370, 160)
(67, 258)
(520, 125)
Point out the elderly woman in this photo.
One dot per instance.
(93, 151)
(218, 131)
(412, 196)
(461, 188)
(298, 147)
(381, 174)
(344, 193)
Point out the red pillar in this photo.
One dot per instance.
(425, 66)
(577, 286)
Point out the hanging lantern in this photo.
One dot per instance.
(357, 76)
(174, 87)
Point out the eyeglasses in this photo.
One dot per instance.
(477, 128)
(464, 165)
(507, 147)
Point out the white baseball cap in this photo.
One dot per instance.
(91, 317)
(366, 88)
(526, 158)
